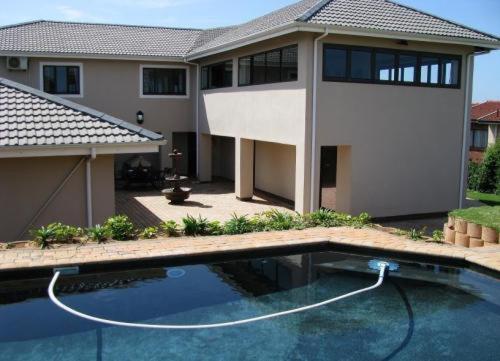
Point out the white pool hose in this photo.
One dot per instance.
(382, 265)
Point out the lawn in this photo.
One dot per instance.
(485, 216)
(486, 198)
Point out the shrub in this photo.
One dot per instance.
(473, 176)
(120, 227)
(195, 226)
(170, 228)
(489, 172)
(415, 234)
(279, 221)
(149, 233)
(437, 235)
(328, 218)
(215, 228)
(63, 233)
(238, 225)
(258, 222)
(42, 236)
(98, 233)
(360, 221)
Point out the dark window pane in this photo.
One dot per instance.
(244, 71)
(429, 70)
(228, 73)
(204, 77)
(289, 64)
(216, 78)
(164, 81)
(49, 79)
(259, 69)
(385, 66)
(449, 72)
(335, 63)
(407, 68)
(273, 61)
(73, 83)
(361, 64)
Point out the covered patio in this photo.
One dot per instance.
(214, 201)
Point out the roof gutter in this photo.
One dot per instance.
(314, 117)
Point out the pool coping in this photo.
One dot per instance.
(336, 239)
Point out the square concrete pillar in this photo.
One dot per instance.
(205, 158)
(302, 180)
(244, 160)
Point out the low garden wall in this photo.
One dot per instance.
(469, 234)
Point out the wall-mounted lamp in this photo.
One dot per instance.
(140, 117)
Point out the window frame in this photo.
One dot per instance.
(67, 64)
(251, 56)
(397, 52)
(208, 66)
(163, 96)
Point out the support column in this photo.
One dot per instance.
(302, 180)
(244, 168)
(205, 158)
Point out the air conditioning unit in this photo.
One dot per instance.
(17, 63)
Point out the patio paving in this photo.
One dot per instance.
(214, 201)
(371, 238)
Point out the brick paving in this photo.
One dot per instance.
(372, 238)
(214, 201)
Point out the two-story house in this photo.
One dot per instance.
(353, 105)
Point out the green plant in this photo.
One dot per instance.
(63, 233)
(238, 225)
(195, 226)
(473, 176)
(279, 221)
(215, 228)
(360, 221)
(489, 172)
(42, 236)
(437, 235)
(149, 233)
(120, 227)
(170, 228)
(258, 222)
(416, 234)
(98, 233)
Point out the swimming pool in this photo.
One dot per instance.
(421, 312)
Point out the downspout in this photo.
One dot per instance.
(466, 125)
(314, 116)
(196, 115)
(88, 175)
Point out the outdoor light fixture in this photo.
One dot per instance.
(140, 117)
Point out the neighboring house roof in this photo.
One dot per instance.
(487, 112)
(30, 117)
(378, 17)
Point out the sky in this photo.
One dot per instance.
(479, 14)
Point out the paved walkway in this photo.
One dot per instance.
(488, 257)
(215, 201)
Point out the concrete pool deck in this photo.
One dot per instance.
(366, 238)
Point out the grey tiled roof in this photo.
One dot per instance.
(29, 117)
(124, 40)
(81, 38)
(389, 16)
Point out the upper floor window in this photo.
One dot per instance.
(389, 66)
(164, 81)
(278, 65)
(61, 79)
(479, 138)
(217, 75)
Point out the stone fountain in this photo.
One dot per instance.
(175, 193)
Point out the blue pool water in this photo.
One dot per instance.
(423, 312)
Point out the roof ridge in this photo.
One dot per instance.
(443, 19)
(313, 10)
(487, 115)
(15, 25)
(81, 108)
(103, 24)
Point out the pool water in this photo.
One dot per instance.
(422, 312)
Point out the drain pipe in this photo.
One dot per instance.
(314, 116)
(88, 175)
(466, 127)
(196, 114)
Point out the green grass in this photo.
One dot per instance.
(485, 216)
(486, 198)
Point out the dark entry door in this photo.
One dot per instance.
(328, 178)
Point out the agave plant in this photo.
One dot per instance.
(42, 236)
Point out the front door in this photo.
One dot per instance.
(328, 178)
